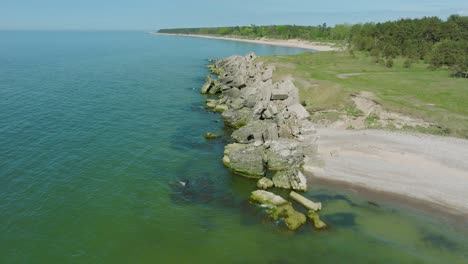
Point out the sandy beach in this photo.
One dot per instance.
(428, 168)
(292, 43)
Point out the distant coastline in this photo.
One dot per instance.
(292, 43)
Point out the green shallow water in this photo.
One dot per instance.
(95, 130)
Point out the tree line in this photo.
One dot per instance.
(440, 43)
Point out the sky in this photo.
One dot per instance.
(157, 14)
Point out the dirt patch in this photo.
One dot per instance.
(347, 75)
(368, 113)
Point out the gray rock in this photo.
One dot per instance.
(306, 202)
(282, 154)
(256, 131)
(264, 183)
(232, 92)
(237, 118)
(307, 128)
(279, 94)
(245, 160)
(215, 87)
(267, 75)
(250, 57)
(237, 103)
(290, 178)
(267, 198)
(299, 110)
(208, 83)
(281, 179)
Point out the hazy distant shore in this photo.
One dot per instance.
(292, 43)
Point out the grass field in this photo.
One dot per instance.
(326, 81)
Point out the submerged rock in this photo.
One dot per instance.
(315, 218)
(209, 135)
(279, 208)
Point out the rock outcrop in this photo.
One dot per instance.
(273, 132)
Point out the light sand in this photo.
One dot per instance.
(433, 169)
(291, 43)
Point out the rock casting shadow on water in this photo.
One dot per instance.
(328, 198)
(201, 191)
(343, 220)
(438, 241)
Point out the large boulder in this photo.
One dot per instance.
(283, 153)
(256, 131)
(245, 160)
(237, 118)
(279, 94)
(290, 178)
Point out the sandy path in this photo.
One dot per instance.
(429, 168)
(291, 43)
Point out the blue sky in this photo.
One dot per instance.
(155, 14)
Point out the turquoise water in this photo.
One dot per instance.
(97, 127)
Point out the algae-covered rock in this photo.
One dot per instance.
(211, 103)
(220, 108)
(292, 218)
(315, 218)
(267, 198)
(245, 160)
(208, 83)
(209, 135)
(264, 183)
(215, 87)
(279, 208)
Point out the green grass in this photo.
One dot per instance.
(416, 91)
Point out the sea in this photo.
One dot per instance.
(98, 128)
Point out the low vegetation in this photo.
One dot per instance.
(327, 81)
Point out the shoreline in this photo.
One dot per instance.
(293, 43)
(420, 169)
(391, 200)
(274, 137)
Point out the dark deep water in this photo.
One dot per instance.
(95, 129)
